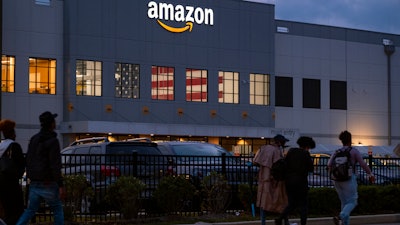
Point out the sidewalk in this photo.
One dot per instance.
(354, 220)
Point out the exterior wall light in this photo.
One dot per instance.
(145, 110)
(213, 113)
(245, 115)
(180, 111)
(70, 107)
(108, 108)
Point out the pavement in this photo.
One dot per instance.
(387, 219)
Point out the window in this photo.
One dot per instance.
(42, 76)
(311, 93)
(338, 95)
(228, 87)
(284, 91)
(88, 78)
(127, 80)
(162, 83)
(259, 89)
(196, 85)
(7, 73)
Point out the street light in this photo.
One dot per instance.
(389, 49)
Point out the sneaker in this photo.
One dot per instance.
(337, 220)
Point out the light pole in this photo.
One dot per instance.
(389, 49)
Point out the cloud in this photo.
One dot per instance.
(373, 15)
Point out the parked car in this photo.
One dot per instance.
(320, 176)
(196, 160)
(102, 162)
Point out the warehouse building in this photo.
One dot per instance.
(222, 71)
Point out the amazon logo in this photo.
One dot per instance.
(188, 15)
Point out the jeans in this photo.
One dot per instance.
(348, 195)
(49, 191)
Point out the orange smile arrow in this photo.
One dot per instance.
(189, 26)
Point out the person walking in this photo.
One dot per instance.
(271, 194)
(347, 190)
(298, 164)
(11, 196)
(43, 171)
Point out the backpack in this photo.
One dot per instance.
(278, 169)
(341, 168)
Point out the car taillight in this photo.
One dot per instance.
(110, 171)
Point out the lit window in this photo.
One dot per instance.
(228, 87)
(42, 76)
(88, 78)
(259, 89)
(127, 80)
(196, 85)
(162, 83)
(7, 73)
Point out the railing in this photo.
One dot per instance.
(102, 170)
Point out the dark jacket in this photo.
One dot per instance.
(299, 164)
(43, 160)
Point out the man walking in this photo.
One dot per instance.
(43, 169)
(347, 190)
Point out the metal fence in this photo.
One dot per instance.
(101, 171)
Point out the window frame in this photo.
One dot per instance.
(196, 81)
(259, 89)
(93, 88)
(228, 87)
(162, 89)
(8, 73)
(40, 68)
(129, 81)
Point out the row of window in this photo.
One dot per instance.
(42, 80)
(311, 93)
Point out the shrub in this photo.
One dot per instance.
(174, 193)
(216, 193)
(78, 195)
(124, 195)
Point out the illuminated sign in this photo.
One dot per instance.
(188, 15)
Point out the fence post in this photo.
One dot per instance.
(370, 157)
(135, 163)
(223, 164)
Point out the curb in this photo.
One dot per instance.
(354, 220)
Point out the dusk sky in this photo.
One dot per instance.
(372, 15)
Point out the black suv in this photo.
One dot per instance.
(196, 160)
(102, 162)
